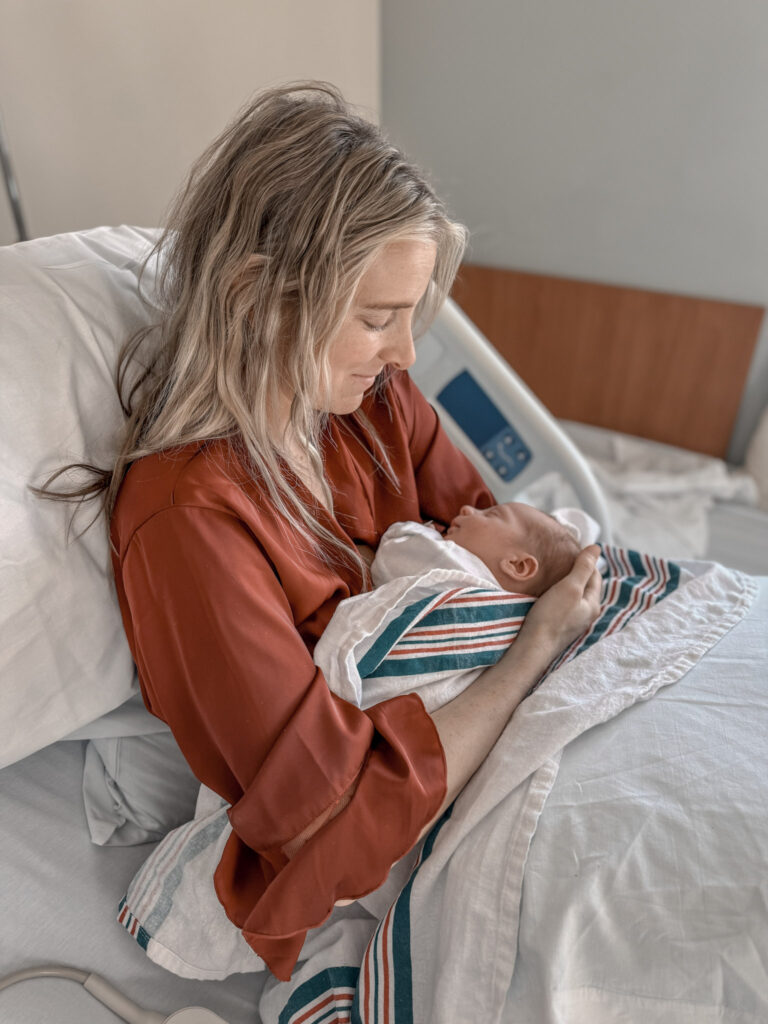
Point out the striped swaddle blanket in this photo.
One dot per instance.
(458, 629)
(433, 633)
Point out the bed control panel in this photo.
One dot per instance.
(491, 433)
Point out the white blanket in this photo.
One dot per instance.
(446, 948)
(658, 497)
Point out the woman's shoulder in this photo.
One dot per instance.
(202, 475)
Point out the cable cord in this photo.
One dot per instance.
(97, 986)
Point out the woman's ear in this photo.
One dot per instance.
(519, 568)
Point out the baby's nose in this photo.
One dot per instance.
(467, 510)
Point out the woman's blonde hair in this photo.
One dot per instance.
(259, 261)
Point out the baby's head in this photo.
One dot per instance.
(525, 549)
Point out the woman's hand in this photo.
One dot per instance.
(567, 608)
(470, 724)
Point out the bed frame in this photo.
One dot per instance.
(670, 368)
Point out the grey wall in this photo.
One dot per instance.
(106, 104)
(624, 142)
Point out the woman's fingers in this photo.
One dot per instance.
(592, 580)
(585, 562)
(584, 574)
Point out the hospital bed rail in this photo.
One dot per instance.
(494, 418)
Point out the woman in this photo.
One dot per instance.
(275, 439)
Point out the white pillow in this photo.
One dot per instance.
(67, 304)
(136, 789)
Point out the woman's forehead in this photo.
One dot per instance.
(398, 275)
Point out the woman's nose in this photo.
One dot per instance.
(401, 352)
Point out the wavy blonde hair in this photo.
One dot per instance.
(260, 258)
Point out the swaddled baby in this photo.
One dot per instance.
(444, 606)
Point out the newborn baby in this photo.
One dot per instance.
(443, 605)
(446, 605)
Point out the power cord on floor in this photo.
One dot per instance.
(112, 998)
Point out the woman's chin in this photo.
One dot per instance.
(348, 404)
(351, 400)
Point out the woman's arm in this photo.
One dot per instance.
(470, 724)
(310, 778)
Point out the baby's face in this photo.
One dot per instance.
(490, 532)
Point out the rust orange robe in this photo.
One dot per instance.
(222, 605)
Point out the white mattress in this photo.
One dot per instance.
(739, 537)
(645, 891)
(59, 895)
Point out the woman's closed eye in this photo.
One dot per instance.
(379, 326)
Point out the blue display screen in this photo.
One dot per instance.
(490, 432)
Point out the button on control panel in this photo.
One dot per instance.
(507, 453)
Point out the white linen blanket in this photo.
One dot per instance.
(658, 497)
(437, 943)
(445, 949)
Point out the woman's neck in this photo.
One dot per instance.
(299, 453)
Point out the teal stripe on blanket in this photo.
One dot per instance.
(389, 637)
(632, 583)
(448, 661)
(451, 614)
(324, 984)
(401, 981)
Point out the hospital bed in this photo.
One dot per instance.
(648, 864)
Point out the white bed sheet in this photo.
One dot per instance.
(646, 888)
(714, 502)
(58, 899)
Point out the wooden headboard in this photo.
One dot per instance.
(667, 367)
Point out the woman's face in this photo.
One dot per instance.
(377, 330)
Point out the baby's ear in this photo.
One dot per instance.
(519, 568)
